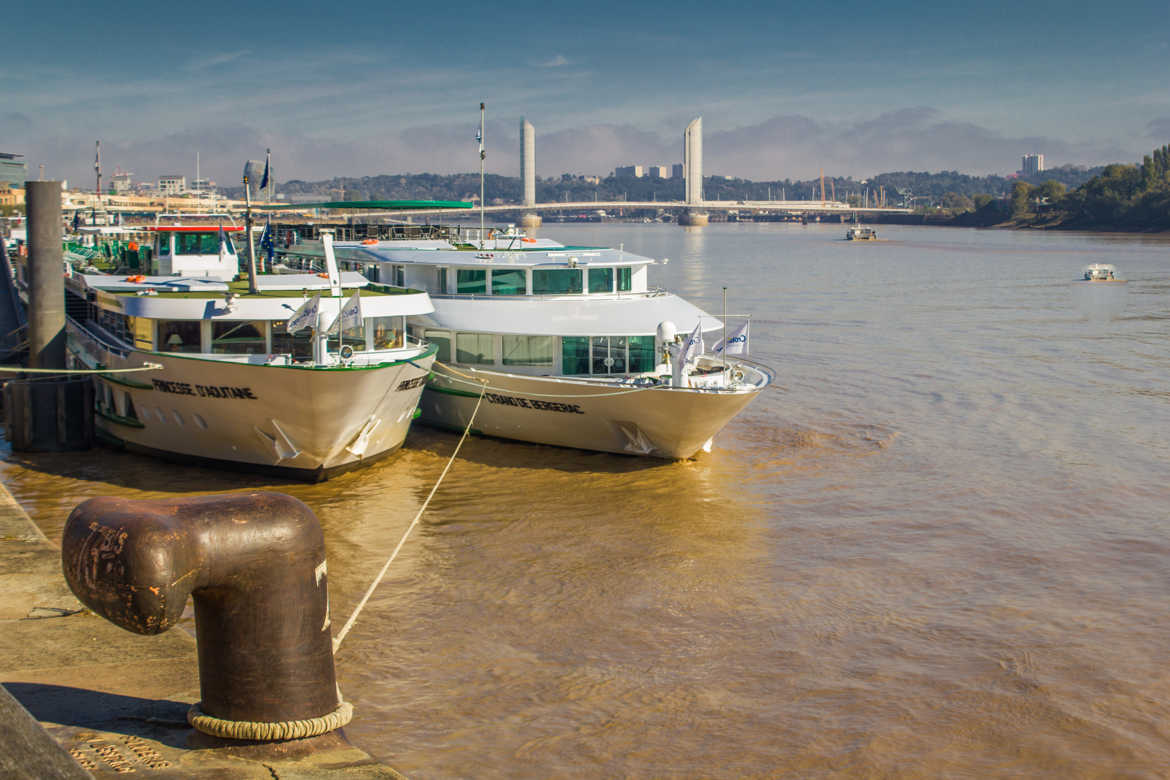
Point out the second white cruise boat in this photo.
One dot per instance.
(569, 345)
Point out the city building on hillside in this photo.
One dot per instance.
(172, 185)
(676, 171)
(636, 171)
(10, 195)
(1031, 164)
(12, 168)
(658, 172)
(591, 179)
(120, 183)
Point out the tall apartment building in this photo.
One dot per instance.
(1031, 164)
(12, 168)
(172, 185)
(637, 171)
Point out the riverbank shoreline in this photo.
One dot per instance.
(115, 701)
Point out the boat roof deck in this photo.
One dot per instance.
(433, 252)
(270, 285)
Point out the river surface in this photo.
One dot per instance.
(937, 547)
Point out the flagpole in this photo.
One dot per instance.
(252, 287)
(725, 330)
(482, 157)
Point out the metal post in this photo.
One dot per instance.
(482, 157)
(725, 330)
(252, 286)
(46, 302)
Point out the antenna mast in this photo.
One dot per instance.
(482, 157)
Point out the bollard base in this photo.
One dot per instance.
(259, 731)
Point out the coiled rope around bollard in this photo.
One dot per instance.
(377, 580)
(267, 732)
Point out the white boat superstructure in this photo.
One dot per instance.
(1100, 272)
(570, 345)
(309, 375)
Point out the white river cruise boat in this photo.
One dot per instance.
(570, 345)
(237, 382)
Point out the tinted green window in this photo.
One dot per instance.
(574, 355)
(238, 338)
(299, 344)
(442, 340)
(527, 350)
(200, 243)
(600, 280)
(441, 281)
(508, 281)
(470, 281)
(625, 279)
(556, 281)
(609, 354)
(474, 348)
(642, 357)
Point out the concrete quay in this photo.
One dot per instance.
(80, 697)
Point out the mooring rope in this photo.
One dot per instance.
(474, 381)
(63, 371)
(269, 731)
(378, 580)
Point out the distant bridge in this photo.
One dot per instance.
(810, 207)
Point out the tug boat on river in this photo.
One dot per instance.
(253, 376)
(569, 345)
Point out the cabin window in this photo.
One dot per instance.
(527, 350)
(475, 348)
(299, 346)
(238, 337)
(441, 281)
(575, 355)
(442, 340)
(164, 244)
(355, 337)
(609, 354)
(470, 281)
(508, 281)
(625, 279)
(642, 355)
(387, 332)
(600, 280)
(556, 281)
(201, 243)
(398, 275)
(141, 332)
(179, 336)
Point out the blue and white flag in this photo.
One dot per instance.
(691, 348)
(267, 245)
(223, 250)
(737, 342)
(351, 313)
(304, 317)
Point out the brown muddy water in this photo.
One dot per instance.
(938, 547)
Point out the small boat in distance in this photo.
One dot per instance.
(858, 232)
(1100, 272)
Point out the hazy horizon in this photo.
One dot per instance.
(853, 89)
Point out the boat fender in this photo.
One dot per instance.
(254, 564)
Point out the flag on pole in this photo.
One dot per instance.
(267, 245)
(351, 313)
(264, 178)
(737, 342)
(223, 250)
(304, 317)
(691, 348)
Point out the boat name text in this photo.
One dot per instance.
(532, 403)
(410, 384)
(206, 391)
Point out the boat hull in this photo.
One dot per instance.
(660, 422)
(300, 422)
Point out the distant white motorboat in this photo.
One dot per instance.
(262, 379)
(857, 232)
(574, 346)
(1100, 272)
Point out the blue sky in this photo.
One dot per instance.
(363, 88)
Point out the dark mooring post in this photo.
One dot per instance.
(47, 413)
(254, 564)
(46, 279)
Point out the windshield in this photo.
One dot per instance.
(201, 243)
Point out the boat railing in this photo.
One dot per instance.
(651, 293)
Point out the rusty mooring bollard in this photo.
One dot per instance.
(254, 563)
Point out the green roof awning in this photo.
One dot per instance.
(388, 205)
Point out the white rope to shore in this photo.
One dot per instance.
(337, 640)
(474, 381)
(63, 371)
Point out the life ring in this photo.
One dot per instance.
(369, 241)
(737, 375)
(136, 279)
(323, 275)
